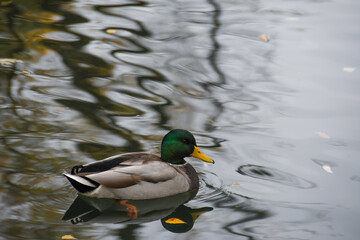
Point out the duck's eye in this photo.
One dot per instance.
(186, 141)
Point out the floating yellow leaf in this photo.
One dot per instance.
(323, 135)
(264, 38)
(25, 71)
(111, 31)
(68, 237)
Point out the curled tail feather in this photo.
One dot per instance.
(81, 183)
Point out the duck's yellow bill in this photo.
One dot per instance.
(198, 154)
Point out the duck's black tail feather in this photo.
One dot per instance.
(82, 183)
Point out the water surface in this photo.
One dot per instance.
(83, 80)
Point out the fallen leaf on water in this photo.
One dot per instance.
(349, 69)
(234, 185)
(111, 31)
(68, 237)
(25, 71)
(9, 61)
(327, 168)
(264, 38)
(323, 135)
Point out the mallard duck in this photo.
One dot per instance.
(138, 176)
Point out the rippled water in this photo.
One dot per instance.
(83, 80)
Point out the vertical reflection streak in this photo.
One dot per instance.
(213, 61)
(213, 56)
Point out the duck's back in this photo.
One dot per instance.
(136, 158)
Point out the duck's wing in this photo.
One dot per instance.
(127, 175)
(121, 171)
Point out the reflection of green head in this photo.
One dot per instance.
(179, 221)
(182, 219)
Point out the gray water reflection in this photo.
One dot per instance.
(83, 80)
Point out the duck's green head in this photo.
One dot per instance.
(179, 143)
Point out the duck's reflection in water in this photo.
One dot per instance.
(174, 215)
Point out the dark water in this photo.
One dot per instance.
(83, 80)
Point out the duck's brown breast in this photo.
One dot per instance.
(190, 173)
